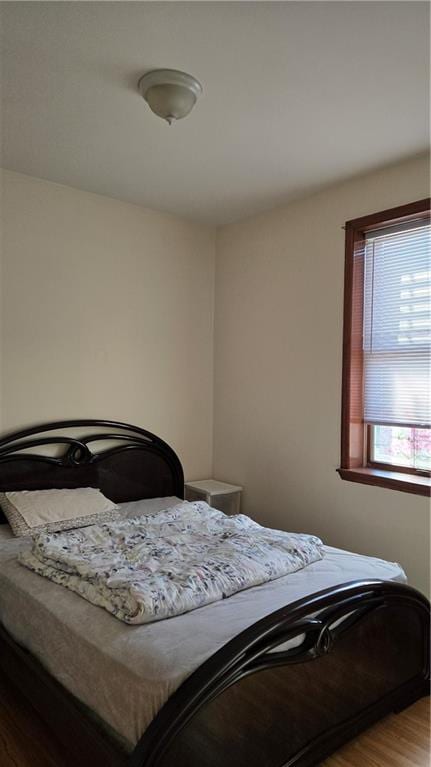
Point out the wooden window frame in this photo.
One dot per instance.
(355, 464)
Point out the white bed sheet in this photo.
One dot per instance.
(126, 673)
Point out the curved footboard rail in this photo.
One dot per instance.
(294, 686)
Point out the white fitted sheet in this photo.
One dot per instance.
(126, 673)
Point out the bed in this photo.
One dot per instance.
(280, 674)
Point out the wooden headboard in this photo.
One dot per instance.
(130, 465)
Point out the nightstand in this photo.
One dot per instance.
(219, 495)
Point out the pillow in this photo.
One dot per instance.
(37, 511)
(148, 506)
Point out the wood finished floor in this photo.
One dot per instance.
(401, 740)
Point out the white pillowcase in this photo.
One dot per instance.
(34, 511)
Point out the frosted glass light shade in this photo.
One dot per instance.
(170, 94)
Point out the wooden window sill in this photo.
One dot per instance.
(407, 483)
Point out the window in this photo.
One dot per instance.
(386, 412)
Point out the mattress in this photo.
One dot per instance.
(124, 673)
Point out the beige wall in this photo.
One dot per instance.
(107, 312)
(278, 339)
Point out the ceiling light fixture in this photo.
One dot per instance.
(170, 94)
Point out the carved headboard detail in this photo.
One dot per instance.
(131, 464)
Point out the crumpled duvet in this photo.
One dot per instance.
(153, 567)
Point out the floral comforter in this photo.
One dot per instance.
(152, 567)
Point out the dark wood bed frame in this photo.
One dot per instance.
(254, 703)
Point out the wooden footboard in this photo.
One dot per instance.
(363, 652)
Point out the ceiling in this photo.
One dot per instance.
(297, 95)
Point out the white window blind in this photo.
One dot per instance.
(397, 325)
